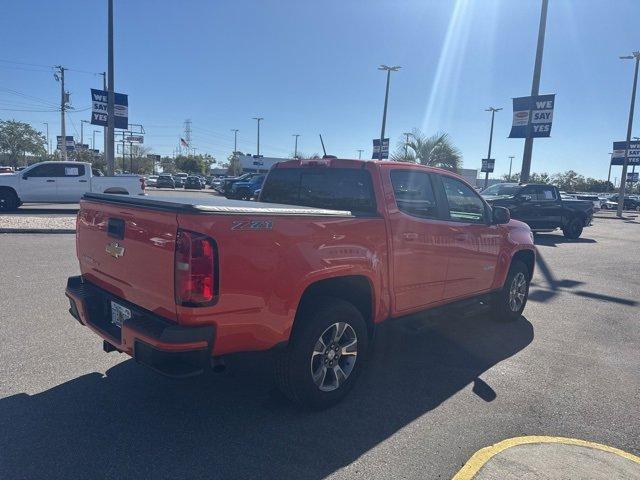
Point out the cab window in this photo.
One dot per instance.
(47, 170)
(547, 194)
(465, 205)
(414, 193)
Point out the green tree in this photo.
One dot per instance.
(543, 177)
(234, 168)
(434, 151)
(570, 181)
(17, 139)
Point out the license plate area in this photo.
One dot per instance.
(119, 314)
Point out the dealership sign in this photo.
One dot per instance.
(99, 109)
(134, 138)
(532, 116)
(619, 148)
(488, 164)
(632, 177)
(376, 148)
(69, 144)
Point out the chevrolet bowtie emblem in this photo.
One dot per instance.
(114, 249)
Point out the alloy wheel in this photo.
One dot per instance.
(334, 356)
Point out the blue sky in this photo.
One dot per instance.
(309, 67)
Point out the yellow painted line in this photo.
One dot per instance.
(477, 461)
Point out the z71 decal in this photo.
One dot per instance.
(252, 225)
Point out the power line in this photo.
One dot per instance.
(25, 63)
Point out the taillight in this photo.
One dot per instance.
(196, 282)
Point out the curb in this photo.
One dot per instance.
(37, 230)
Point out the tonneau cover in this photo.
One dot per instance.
(213, 204)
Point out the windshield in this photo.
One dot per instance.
(502, 189)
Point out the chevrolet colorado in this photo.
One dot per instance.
(331, 249)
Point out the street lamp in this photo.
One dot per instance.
(82, 122)
(493, 113)
(295, 148)
(258, 119)
(406, 145)
(623, 180)
(386, 100)
(93, 139)
(46, 124)
(235, 140)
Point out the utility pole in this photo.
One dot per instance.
(360, 154)
(63, 106)
(295, 148)
(623, 178)
(609, 176)
(47, 125)
(259, 119)
(386, 100)
(493, 114)
(235, 140)
(109, 146)
(535, 90)
(511, 157)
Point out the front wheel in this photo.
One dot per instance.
(509, 302)
(573, 229)
(8, 201)
(325, 355)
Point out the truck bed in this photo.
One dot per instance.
(213, 205)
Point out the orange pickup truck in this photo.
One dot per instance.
(331, 249)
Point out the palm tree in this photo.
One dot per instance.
(434, 151)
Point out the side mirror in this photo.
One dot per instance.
(25, 176)
(500, 215)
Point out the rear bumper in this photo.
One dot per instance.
(171, 349)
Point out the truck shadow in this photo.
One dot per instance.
(132, 423)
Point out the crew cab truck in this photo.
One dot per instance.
(541, 207)
(61, 182)
(331, 249)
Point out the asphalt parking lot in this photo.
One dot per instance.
(436, 391)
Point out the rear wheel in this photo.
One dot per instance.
(573, 229)
(509, 302)
(8, 200)
(326, 353)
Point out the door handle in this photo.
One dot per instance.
(410, 236)
(82, 181)
(50, 181)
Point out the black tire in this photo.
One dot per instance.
(243, 194)
(317, 319)
(8, 200)
(573, 229)
(503, 307)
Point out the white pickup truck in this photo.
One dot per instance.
(61, 182)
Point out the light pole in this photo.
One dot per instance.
(109, 154)
(82, 122)
(511, 157)
(535, 89)
(360, 154)
(493, 114)
(235, 140)
(609, 176)
(623, 178)
(258, 119)
(406, 145)
(295, 148)
(63, 106)
(386, 100)
(46, 124)
(93, 139)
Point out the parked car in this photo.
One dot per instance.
(180, 179)
(194, 182)
(6, 169)
(61, 182)
(152, 180)
(355, 243)
(541, 207)
(628, 204)
(245, 190)
(597, 205)
(228, 182)
(165, 181)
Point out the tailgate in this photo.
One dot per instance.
(129, 252)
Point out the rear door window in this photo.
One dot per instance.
(465, 205)
(546, 193)
(414, 193)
